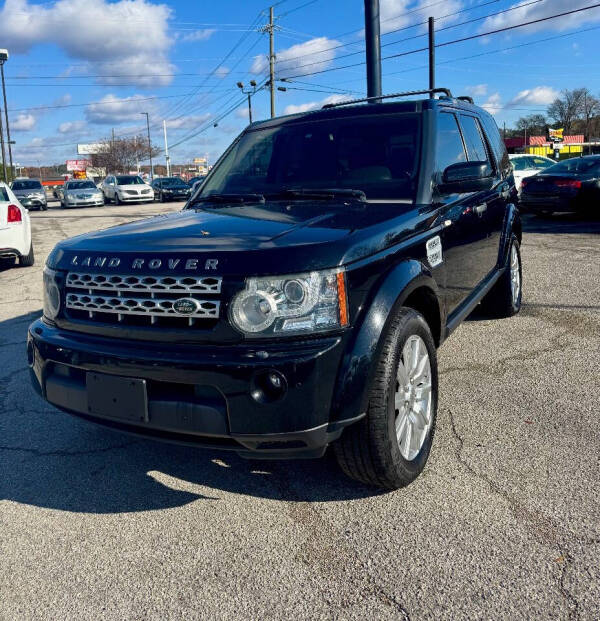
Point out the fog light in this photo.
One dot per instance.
(268, 386)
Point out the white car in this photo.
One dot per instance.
(126, 189)
(15, 228)
(528, 165)
(81, 193)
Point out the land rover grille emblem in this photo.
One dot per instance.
(186, 306)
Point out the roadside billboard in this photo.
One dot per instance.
(89, 149)
(556, 135)
(79, 165)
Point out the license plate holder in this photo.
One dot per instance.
(122, 398)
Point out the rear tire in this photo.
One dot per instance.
(375, 450)
(29, 259)
(504, 300)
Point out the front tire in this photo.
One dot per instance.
(390, 446)
(117, 199)
(29, 259)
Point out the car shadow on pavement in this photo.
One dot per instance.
(52, 460)
(561, 223)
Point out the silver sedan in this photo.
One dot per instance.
(81, 193)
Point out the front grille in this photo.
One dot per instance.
(131, 192)
(142, 300)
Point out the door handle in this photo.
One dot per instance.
(480, 209)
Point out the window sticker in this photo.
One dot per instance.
(434, 251)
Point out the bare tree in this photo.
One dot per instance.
(534, 124)
(569, 108)
(123, 154)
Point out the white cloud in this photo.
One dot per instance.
(72, 127)
(113, 110)
(23, 123)
(314, 55)
(222, 72)
(544, 9)
(242, 113)
(314, 105)
(493, 103)
(478, 90)
(198, 35)
(124, 37)
(188, 122)
(541, 95)
(399, 13)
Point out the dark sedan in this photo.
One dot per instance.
(571, 185)
(171, 188)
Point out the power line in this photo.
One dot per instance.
(454, 41)
(362, 51)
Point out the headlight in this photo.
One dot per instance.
(293, 304)
(51, 294)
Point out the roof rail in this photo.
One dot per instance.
(431, 92)
(466, 98)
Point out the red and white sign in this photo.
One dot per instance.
(80, 165)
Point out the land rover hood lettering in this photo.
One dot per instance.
(139, 263)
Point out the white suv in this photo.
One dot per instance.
(15, 228)
(126, 189)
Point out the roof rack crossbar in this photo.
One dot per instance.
(433, 91)
(466, 98)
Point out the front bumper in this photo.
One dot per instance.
(202, 395)
(85, 202)
(33, 203)
(140, 198)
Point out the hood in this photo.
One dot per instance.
(28, 192)
(251, 240)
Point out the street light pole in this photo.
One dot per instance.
(249, 92)
(3, 59)
(373, 49)
(149, 145)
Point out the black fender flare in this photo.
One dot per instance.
(512, 224)
(357, 367)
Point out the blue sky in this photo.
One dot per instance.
(79, 69)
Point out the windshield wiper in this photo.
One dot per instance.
(325, 194)
(235, 199)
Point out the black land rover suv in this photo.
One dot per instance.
(298, 299)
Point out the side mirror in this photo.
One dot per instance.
(467, 177)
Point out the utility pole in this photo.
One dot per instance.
(504, 131)
(272, 61)
(112, 152)
(271, 28)
(167, 149)
(3, 59)
(149, 145)
(431, 23)
(373, 49)
(4, 177)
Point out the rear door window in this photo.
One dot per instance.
(449, 145)
(474, 142)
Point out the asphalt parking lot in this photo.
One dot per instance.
(504, 522)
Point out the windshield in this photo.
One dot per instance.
(81, 185)
(521, 163)
(583, 165)
(129, 180)
(170, 182)
(27, 185)
(377, 155)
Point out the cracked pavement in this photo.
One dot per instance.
(504, 522)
